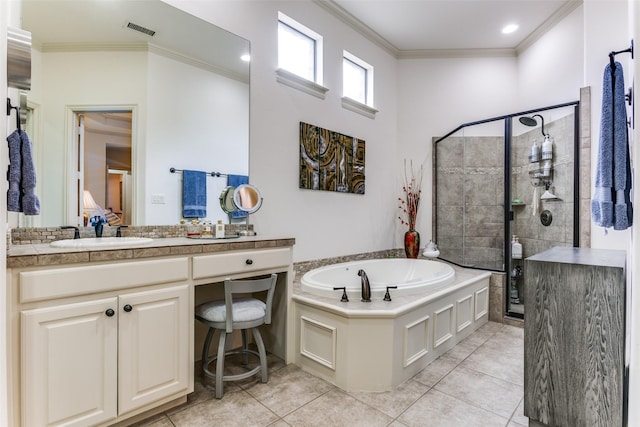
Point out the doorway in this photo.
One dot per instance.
(103, 158)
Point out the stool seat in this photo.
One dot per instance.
(244, 310)
(244, 313)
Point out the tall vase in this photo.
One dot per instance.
(412, 243)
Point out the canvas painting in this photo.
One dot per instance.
(330, 161)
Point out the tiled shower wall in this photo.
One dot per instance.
(470, 191)
(470, 188)
(534, 236)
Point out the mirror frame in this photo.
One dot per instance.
(237, 198)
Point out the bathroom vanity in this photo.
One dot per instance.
(98, 337)
(574, 338)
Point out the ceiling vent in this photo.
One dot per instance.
(140, 29)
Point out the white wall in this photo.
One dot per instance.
(206, 131)
(606, 30)
(325, 224)
(77, 79)
(550, 71)
(439, 94)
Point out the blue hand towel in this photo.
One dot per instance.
(14, 175)
(30, 202)
(194, 194)
(235, 181)
(611, 204)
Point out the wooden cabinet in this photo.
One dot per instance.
(574, 342)
(69, 359)
(88, 362)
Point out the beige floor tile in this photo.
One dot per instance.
(506, 343)
(288, 389)
(436, 370)
(336, 408)
(481, 390)
(160, 420)
(436, 409)
(394, 402)
(462, 350)
(515, 424)
(496, 363)
(236, 409)
(397, 423)
(518, 415)
(279, 423)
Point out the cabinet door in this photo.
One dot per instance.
(154, 346)
(69, 361)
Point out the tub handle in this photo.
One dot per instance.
(344, 298)
(387, 296)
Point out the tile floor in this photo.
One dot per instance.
(477, 383)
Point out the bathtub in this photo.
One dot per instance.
(375, 346)
(411, 276)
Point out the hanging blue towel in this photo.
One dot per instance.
(30, 202)
(235, 181)
(611, 204)
(21, 175)
(194, 194)
(14, 175)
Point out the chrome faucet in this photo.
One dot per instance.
(365, 288)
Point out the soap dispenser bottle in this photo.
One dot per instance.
(516, 248)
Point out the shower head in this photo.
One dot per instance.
(530, 121)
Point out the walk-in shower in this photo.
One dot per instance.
(506, 188)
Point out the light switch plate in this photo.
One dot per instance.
(157, 199)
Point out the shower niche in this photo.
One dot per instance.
(508, 180)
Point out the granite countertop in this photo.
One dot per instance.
(44, 254)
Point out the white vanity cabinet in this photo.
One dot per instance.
(120, 345)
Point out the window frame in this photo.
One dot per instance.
(318, 75)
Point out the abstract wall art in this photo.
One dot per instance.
(330, 161)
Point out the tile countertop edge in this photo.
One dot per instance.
(44, 254)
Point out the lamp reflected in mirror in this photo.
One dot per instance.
(91, 208)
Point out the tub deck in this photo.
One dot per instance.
(376, 346)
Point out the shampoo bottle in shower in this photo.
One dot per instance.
(516, 248)
(547, 148)
(534, 156)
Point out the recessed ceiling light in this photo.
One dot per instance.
(509, 29)
(246, 57)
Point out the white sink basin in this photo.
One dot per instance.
(102, 242)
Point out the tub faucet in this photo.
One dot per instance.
(365, 287)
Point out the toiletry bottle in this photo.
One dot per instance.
(207, 230)
(219, 230)
(547, 148)
(516, 248)
(534, 156)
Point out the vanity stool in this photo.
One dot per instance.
(232, 314)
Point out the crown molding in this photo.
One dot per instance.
(558, 16)
(455, 53)
(343, 15)
(354, 23)
(93, 47)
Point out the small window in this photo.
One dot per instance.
(299, 49)
(357, 79)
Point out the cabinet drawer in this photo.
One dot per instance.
(240, 262)
(63, 282)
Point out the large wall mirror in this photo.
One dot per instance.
(123, 91)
